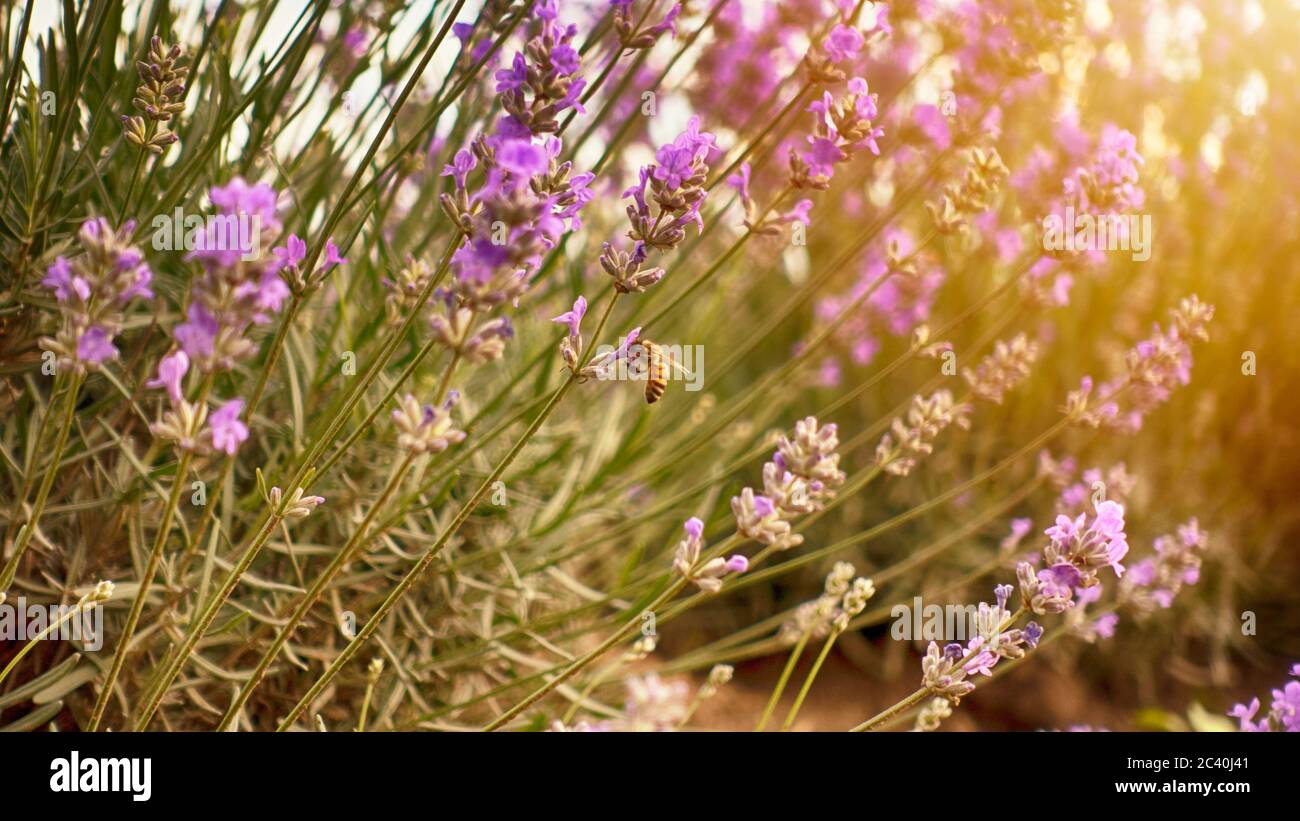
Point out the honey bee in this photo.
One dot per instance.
(656, 365)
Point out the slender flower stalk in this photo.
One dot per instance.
(586, 659)
(179, 483)
(793, 659)
(433, 551)
(26, 531)
(945, 672)
(160, 97)
(209, 614)
(302, 480)
(853, 602)
(373, 672)
(100, 593)
(807, 467)
(295, 508)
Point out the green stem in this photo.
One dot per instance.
(916, 697)
(332, 220)
(445, 381)
(894, 710)
(264, 373)
(727, 544)
(567, 673)
(807, 682)
(47, 482)
(137, 606)
(365, 703)
(135, 176)
(308, 470)
(426, 560)
(354, 398)
(313, 595)
(54, 625)
(146, 580)
(303, 477)
(596, 681)
(341, 206)
(200, 626)
(790, 663)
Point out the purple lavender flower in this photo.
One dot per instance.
(1246, 712)
(840, 128)
(65, 285)
(238, 288)
(1154, 582)
(932, 124)
(294, 252)
(799, 213)
(92, 290)
(674, 166)
(1105, 625)
(542, 81)
(226, 430)
(669, 21)
(1033, 632)
(426, 428)
(473, 50)
(463, 163)
(944, 672)
(740, 181)
(706, 575)
(800, 478)
(171, 370)
(513, 78)
(522, 159)
(356, 42)
(566, 59)
(238, 197)
(694, 527)
(1283, 714)
(332, 256)
(603, 364)
(675, 184)
(1088, 547)
(1156, 367)
(95, 346)
(198, 334)
(1019, 529)
(843, 44)
(517, 215)
(573, 317)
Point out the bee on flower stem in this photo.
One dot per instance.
(655, 364)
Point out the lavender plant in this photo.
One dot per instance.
(326, 329)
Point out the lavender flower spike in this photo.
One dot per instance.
(705, 575)
(573, 317)
(571, 345)
(92, 291)
(425, 428)
(297, 506)
(1283, 715)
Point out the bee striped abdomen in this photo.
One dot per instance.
(656, 374)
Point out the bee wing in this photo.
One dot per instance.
(677, 366)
